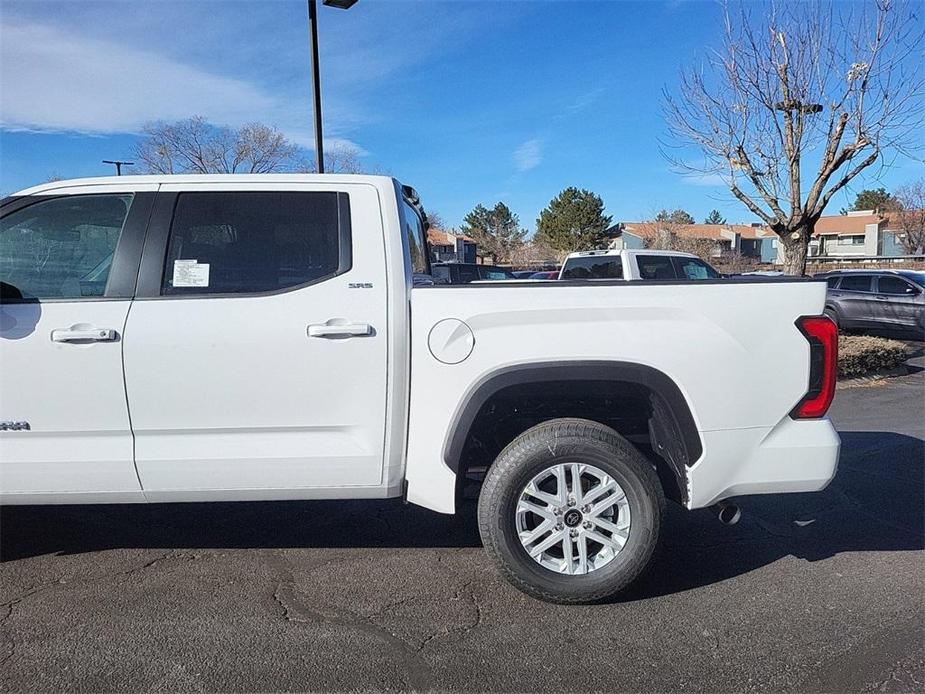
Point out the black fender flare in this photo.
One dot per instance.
(673, 423)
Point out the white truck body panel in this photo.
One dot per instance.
(723, 345)
(230, 398)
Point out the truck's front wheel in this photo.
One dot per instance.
(571, 511)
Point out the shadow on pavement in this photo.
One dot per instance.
(875, 503)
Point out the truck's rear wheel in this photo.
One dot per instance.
(571, 511)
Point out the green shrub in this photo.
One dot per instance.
(861, 354)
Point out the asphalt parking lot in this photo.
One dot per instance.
(809, 593)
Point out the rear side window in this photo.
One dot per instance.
(467, 274)
(253, 242)
(495, 273)
(832, 282)
(61, 248)
(895, 285)
(417, 239)
(593, 268)
(693, 269)
(856, 283)
(656, 267)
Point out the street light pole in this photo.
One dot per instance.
(118, 165)
(316, 81)
(316, 73)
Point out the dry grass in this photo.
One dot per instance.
(861, 354)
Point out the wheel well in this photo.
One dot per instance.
(655, 421)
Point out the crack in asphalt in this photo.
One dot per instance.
(10, 641)
(418, 673)
(458, 629)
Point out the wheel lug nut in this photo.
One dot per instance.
(586, 508)
(559, 526)
(587, 525)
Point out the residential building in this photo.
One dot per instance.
(447, 247)
(752, 241)
(864, 233)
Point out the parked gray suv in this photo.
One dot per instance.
(872, 299)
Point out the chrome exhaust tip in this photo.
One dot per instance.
(728, 514)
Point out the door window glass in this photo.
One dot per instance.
(61, 248)
(656, 267)
(468, 273)
(693, 269)
(495, 273)
(855, 283)
(594, 268)
(252, 242)
(895, 285)
(832, 282)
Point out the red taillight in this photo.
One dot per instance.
(822, 335)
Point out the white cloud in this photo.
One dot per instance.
(52, 81)
(528, 155)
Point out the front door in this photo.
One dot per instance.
(255, 353)
(68, 267)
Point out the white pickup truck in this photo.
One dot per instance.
(635, 264)
(196, 338)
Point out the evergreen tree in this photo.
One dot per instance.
(574, 220)
(677, 216)
(496, 231)
(714, 218)
(870, 199)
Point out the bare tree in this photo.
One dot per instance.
(196, 146)
(435, 220)
(668, 235)
(798, 87)
(907, 216)
(536, 254)
(337, 159)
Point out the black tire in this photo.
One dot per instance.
(555, 442)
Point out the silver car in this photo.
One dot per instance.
(877, 299)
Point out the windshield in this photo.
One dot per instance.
(607, 267)
(917, 277)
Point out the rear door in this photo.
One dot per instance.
(68, 265)
(856, 299)
(898, 302)
(255, 357)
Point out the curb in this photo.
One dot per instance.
(872, 377)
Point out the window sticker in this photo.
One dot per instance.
(190, 273)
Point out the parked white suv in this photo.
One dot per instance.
(215, 338)
(635, 264)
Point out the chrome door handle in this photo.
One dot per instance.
(83, 335)
(340, 330)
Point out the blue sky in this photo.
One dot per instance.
(469, 102)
